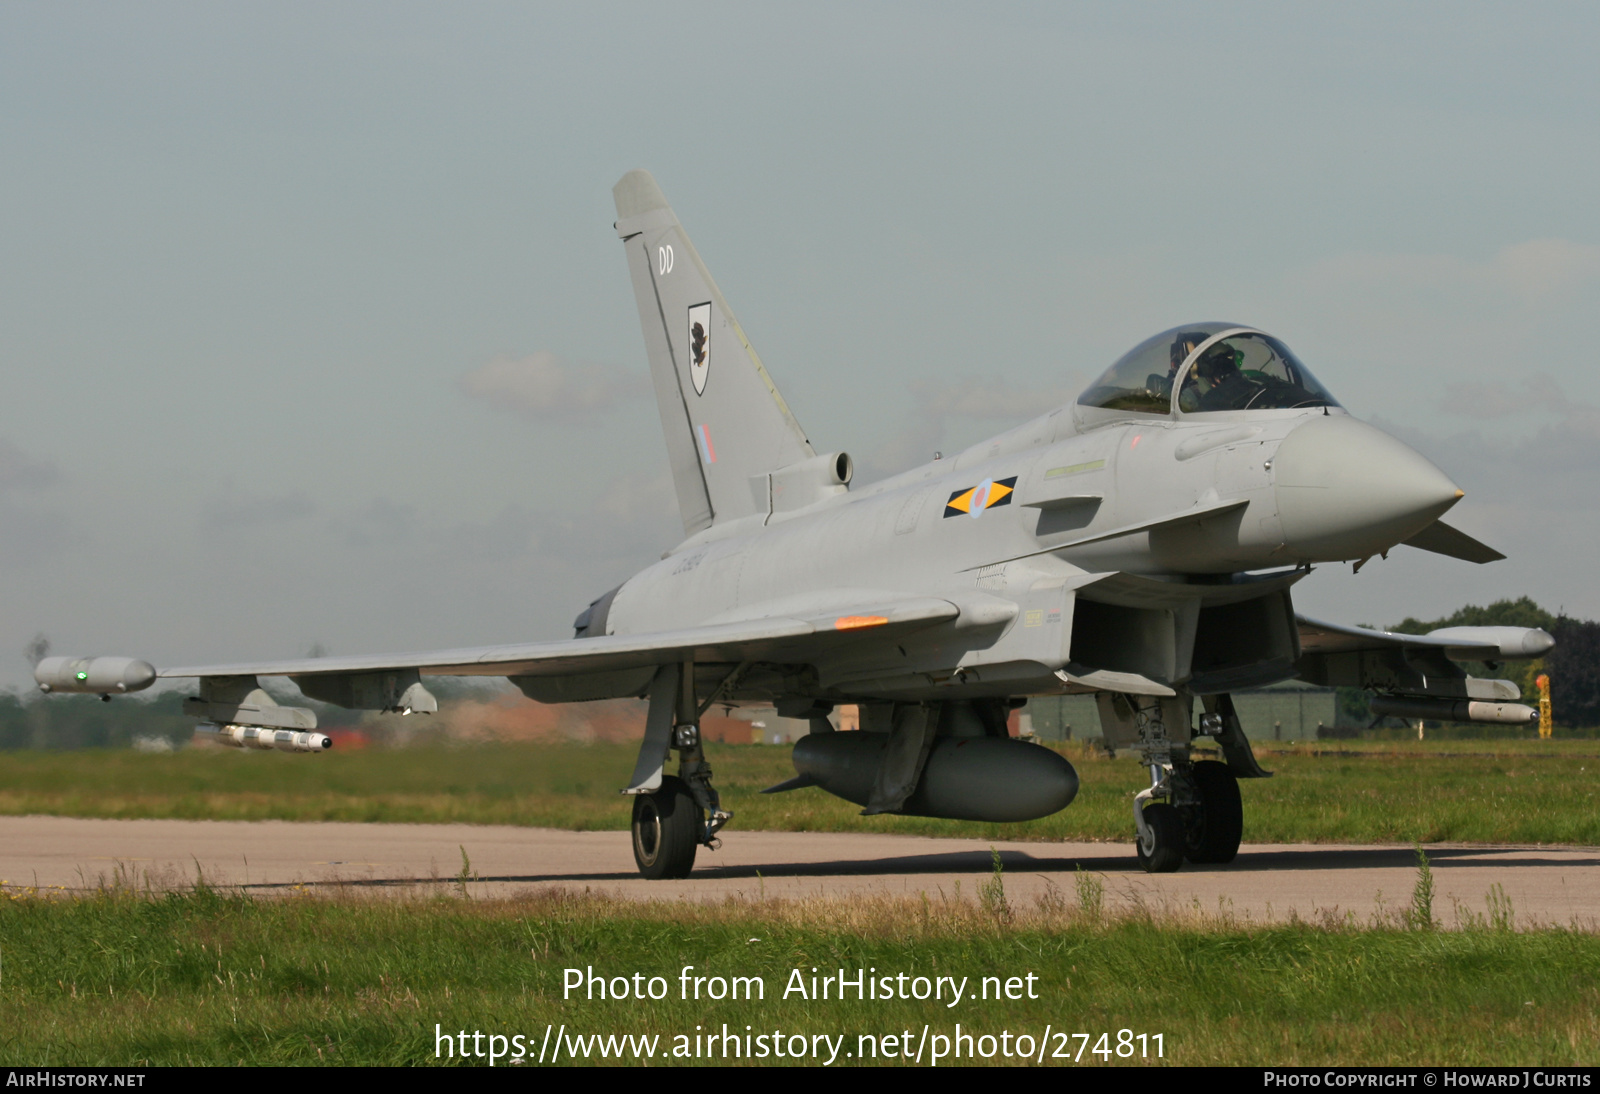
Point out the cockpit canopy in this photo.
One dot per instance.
(1214, 367)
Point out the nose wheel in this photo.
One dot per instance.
(1161, 839)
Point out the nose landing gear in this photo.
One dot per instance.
(1192, 810)
(1161, 839)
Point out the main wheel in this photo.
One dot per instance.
(1161, 844)
(666, 830)
(1215, 828)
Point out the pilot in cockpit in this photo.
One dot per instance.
(1240, 369)
(1221, 385)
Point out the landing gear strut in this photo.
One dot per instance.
(694, 772)
(1161, 829)
(1191, 810)
(673, 815)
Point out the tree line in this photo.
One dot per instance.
(1573, 665)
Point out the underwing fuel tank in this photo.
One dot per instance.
(965, 778)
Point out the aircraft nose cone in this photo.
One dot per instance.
(1346, 490)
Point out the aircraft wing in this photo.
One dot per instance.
(794, 635)
(729, 641)
(1456, 643)
(1417, 675)
(234, 708)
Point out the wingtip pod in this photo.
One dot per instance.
(1515, 643)
(93, 675)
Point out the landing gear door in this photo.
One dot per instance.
(1120, 716)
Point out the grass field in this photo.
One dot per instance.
(209, 978)
(1469, 791)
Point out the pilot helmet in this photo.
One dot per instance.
(1217, 362)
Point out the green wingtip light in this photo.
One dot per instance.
(83, 676)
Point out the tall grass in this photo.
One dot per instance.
(206, 977)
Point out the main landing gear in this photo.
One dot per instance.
(1192, 810)
(673, 816)
(666, 830)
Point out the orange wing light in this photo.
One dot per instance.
(854, 622)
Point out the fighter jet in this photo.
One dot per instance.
(1140, 544)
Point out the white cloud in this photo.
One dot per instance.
(988, 399)
(1486, 399)
(650, 501)
(1537, 272)
(19, 470)
(945, 415)
(543, 386)
(1541, 477)
(1536, 497)
(1546, 269)
(30, 532)
(244, 511)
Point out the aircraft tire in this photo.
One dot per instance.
(666, 830)
(1218, 824)
(1165, 853)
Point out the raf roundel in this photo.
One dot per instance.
(990, 494)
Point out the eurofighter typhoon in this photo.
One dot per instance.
(1140, 544)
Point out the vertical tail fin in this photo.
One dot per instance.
(724, 419)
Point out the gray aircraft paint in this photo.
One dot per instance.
(721, 430)
(1136, 522)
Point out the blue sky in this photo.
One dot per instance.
(260, 259)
